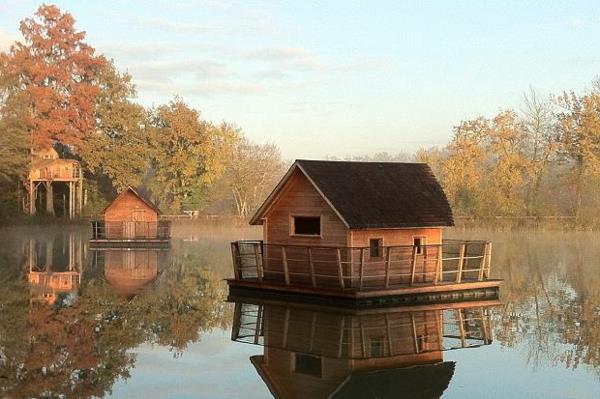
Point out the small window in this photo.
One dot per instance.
(307, 364)
(419, 242)
(375, 247)
(377, 347)
(307, 225)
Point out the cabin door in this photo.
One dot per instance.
(129, 230)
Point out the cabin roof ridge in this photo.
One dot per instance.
(371, 195)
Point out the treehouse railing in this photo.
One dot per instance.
(131, 231)
(353, 268)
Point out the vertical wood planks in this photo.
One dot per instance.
(439, 275)
(461, 262)
(339, 265)
(413, 265)
(483, 262)
(235, 260)
(258, 259)
(311, 265)
(387, 266)
(286, 272)
(362, 268)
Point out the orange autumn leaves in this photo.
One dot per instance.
(53, 71)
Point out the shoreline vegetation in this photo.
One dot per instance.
(510, 170)
(492, 223)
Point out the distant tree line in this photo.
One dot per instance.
(540, 160)
(55, 90)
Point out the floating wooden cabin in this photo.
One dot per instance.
(325, 352)
(48, 171)
(130, 220)
(356, 231)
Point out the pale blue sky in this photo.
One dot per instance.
(340, 77)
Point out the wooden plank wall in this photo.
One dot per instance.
(299, 197)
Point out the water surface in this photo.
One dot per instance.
(78, 323)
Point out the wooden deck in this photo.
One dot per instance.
(452, 269)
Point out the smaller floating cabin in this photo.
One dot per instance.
(359, 231)
(130, 220)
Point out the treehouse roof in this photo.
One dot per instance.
(373, 195)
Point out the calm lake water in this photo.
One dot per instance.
(77, 323)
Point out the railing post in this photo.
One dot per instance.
(461, 262)
(483, 262)
(413, 265)
(387, 266)
(311, 264)
(340, 270)
(489, 261)
(235, 259)
(361, 270)
(439, 275)
(286, 272)
(257, 256)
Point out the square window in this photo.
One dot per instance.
(307, 364)
(419, 242)
(375, 247)
(307, 225)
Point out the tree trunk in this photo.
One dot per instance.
(49, 198)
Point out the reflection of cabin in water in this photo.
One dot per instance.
(317, 352)
(53, 181)
(54, 267)
(358, 230)
(129, 271)
(129, 219)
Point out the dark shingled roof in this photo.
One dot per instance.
(423, 382)
(374, 195)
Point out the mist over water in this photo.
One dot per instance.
(127, 324)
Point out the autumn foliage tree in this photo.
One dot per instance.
(53, 70)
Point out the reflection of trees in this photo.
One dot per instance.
(552, 297)
(82, 349)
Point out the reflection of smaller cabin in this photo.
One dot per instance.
(131, 217)
(129, 272)
(324, 352)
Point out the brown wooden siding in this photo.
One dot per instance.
(300, 198)
(124, 208)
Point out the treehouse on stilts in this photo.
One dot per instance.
(51, 178)
(360, 232)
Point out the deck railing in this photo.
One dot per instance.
(131, 231)
(339, 335)
(353, 268)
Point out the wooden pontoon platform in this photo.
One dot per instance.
(451, 271)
